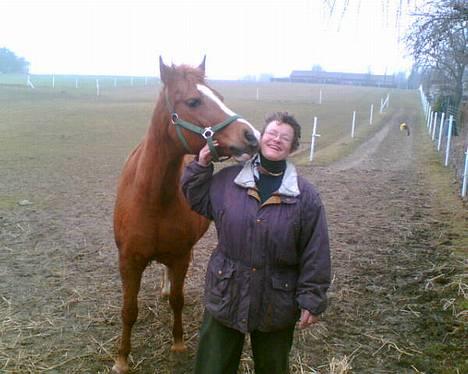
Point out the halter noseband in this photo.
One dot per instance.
(207, 133)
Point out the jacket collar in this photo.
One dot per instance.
(289, 185)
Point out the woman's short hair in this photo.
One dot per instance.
(286, 118)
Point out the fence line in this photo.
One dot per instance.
(447, 129)
(82, 82)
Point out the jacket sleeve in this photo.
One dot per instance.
(196, 182)
(315, 264)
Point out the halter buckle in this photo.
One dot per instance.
(174, 118)
(207, 133)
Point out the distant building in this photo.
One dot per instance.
(357, 79)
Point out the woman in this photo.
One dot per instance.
(271, 266)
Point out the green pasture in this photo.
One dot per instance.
(50, 131)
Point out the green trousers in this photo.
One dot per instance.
(220, 348)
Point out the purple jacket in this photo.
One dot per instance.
(271, 260)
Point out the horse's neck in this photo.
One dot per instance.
(160, 161)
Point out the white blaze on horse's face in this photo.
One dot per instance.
(207, 92)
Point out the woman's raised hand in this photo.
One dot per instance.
(205, 157)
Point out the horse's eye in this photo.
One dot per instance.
(193, 103)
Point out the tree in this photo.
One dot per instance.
(10, 63)
(437, 41)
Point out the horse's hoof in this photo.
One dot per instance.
(120, 367)
(178, 347)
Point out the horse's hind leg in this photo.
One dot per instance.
(177, 273)
(165, 283)
(131, 271)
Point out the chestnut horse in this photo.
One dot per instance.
(152, 220)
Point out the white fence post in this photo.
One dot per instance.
(53, 81)
(371, 114)
(76, 82)
(449, 136)
(312, 143)
(424, 102)
(29, 83)
(354, 123)
(320, 97)
(97, 87)
(465, 174)
(429, 114)
(384, 103)
(430, 123)
(434, 127)
(440, 131)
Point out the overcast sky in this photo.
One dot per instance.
(239, 37)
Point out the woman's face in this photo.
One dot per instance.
(276, 141)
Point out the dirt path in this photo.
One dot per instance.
(60, 289)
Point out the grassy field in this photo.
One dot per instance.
(45, 126)
(62, 150)
(119, 116)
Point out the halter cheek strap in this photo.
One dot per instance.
(206, 133)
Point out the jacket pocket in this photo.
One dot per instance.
(220, 287)
(282, 309)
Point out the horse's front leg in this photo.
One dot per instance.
(131, 271)
(177, 273)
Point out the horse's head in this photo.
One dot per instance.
(199, 115)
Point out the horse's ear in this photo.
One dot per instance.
(164, 71)
(202, 65)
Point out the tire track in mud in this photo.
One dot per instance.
(364, 152)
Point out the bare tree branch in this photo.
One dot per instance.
(437, 41)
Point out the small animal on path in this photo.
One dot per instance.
(405, 127)
(152, 220)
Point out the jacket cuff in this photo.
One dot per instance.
(312, 303)
(198, 167)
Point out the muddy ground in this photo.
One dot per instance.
(394, 303)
